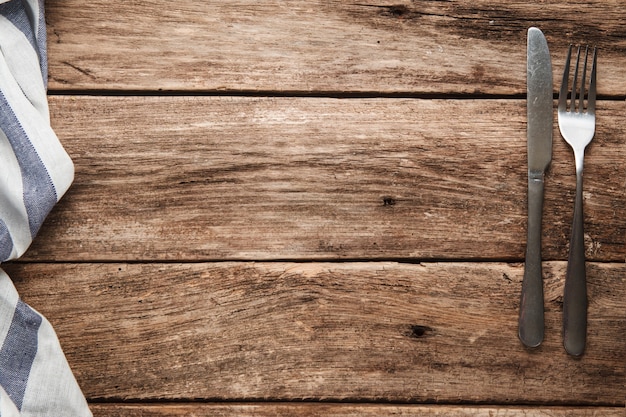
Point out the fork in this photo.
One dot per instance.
(577, 121)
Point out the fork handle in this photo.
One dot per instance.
(575, 293)
(531, 326)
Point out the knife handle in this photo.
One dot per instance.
(575, 293)
(531, 324)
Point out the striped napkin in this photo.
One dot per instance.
(35, 172)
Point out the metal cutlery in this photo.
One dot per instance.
(539, 136)
(577, 122)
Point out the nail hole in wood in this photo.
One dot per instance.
(398, 10)
(418, 331)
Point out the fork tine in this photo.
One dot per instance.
(591, 100)
(564, 82)
(581, 97)
(572, 103)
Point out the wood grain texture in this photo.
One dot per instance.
(344, 410)
(166, 183)
(375, 332)
(234, 178)
(333, 47)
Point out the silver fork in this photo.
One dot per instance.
(577, 122)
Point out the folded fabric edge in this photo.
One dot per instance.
(34, 372)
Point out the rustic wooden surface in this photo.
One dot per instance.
(212, 178)
(349, 410)
(286, 46)
(385, 331)
(319, 208)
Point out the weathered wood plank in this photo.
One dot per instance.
(323, 46)
(210, 178)
(343, 410)
(326, 331)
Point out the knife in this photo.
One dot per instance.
(539, 142)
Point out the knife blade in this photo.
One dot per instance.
(539, 143)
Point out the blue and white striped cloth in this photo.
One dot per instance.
(35, 172)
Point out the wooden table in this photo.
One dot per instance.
(319, 208)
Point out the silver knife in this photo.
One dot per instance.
(539, 137)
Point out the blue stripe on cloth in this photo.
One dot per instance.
(18, 352)
(39, 192)
(15, 12)
(42, 39)
(6, 242)
(18, 12)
